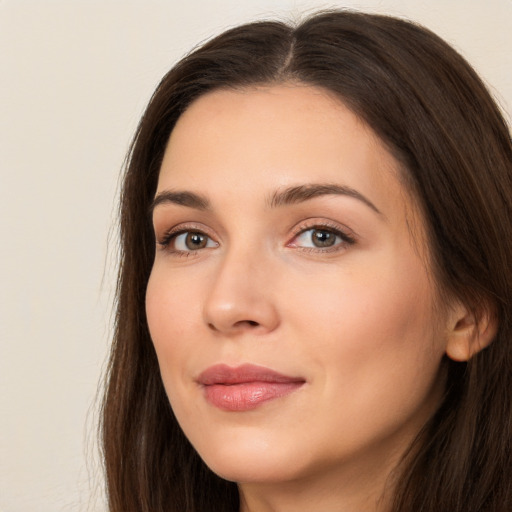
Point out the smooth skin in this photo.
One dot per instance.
(286, 239)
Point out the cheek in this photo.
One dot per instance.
(374, 348)
(172, 309)
(383, 302)
(374, 328)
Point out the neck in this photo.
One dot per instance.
(363, 489)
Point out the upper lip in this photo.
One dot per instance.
(227, 375)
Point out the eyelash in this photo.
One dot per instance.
(346, 240)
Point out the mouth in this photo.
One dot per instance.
(245, 387)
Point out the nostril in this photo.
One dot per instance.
(236, 325)
(251, 323)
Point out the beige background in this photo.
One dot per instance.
(75, 76)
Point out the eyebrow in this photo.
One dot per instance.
(182, 198)
(301, 193)
(291, 195)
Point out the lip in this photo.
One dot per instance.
(245, 387)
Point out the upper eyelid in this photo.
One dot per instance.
(187, 226)
(168, 234)
(316, 223)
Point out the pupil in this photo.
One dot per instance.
(195, 241)
(323, 238)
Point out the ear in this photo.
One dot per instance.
(469, 333)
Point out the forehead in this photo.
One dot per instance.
(294, 128)
(246, 143)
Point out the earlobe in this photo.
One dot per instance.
(468, 334)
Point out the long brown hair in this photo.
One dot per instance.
(437, 118)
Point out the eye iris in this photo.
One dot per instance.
(195, 241)
(322, 238)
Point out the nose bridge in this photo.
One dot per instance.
(241, 296)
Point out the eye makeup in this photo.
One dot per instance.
(312, 236)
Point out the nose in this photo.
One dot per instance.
(241, 296)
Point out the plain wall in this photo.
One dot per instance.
(75, 77)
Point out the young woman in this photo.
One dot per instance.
(315, 290)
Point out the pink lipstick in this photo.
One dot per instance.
(245, 387)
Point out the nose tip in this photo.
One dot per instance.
(240, 317)
(240, 301)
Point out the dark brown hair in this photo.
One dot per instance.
(437, 118)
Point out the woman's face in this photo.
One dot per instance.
(290, 303)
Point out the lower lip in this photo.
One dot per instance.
(247, 395)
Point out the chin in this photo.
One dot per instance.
(252, 472)
(252, 464)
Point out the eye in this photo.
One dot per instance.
(321, 237)
(187, 241)
(192, 241)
